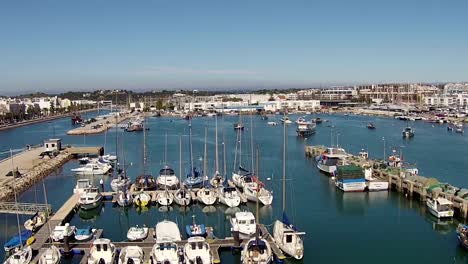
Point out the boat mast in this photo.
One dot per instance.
(180, 161)
(144, 147)
(16, 199)
(204, 156)
(258, 190)
(251, 142)
(240, 139)
(224, 145)
(284, 166)
(216, 145)
(165, 149)
(192, 173)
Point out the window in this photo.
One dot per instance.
(53, 145)
(288, 238)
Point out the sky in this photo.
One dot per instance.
(61, 45)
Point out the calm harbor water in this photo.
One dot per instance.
(340, 227)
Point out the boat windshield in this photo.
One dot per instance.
(166, 171)
(444, 207)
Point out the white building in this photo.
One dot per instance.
(274, 106)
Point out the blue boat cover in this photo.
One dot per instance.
(18, 240)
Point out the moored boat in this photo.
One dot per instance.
(84, 234)
(305, 129)
(17, 240)
(462, 235)
(102, 252)
(197, 250)
(330, 159)
(229, 196)
(90, 199)
(142, 199)
(350, 178)
(440, 207)
(244, 223)
(51, 255)
(195, 229)
(36, 221)
(131, 255)
(21, 256)
(137, 233)
(257, 251)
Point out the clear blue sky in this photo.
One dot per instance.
(81, 45)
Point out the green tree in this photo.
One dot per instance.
(52, 108)
(159, 104)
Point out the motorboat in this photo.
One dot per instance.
(81, 185)
(102, 252)
(286, 120)
(137, 233)
(300, 120)
(462, 235)
(167, 231)
(440, 207)
(109, 157)
(256, 191)
(195, 229)
(92, 169)
(238, 126)
(124, 198)
(60, 232)
(165, 198)
(122, 182)
(408, 132)
(21, 256)
(272, 123)
(370, 126)
(317, 120)
(36, 221)
(330, 159)
(90, 199)
(142, 199)
(350, 178)
(229, 196)
(145, 183)
(51, 255)
(305, 129)
(244, 223)
(165, 252)
(257, 251)
(84, 160)
(207, 196)
(131, 254)
(373, 184)
(134, 126)
(197, 250)
(182, 197)
(167, 179)
(84, 234)
(17, 241)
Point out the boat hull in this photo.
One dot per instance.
(354, 186)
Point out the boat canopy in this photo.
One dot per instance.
(257, 244)
(166, 171)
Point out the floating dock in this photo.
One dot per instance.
(410, 185)
(99, 126)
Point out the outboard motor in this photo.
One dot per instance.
(101, 261)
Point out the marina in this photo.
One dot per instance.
(335, 206)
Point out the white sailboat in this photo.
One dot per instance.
(165, 198)
(142, 199)
(206, 195)
(229, 196)
(131, 254)
(285, 234)
(20, 256)
(124, 198)
(182, 196)
(217, 180)
(50, 256)
(197, 250)
(102, 252)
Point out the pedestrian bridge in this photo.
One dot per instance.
(24, 208)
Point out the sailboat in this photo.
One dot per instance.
(206, 195)
(124, 198)
(229, 196)
(217, 180)
(145, 181)
(257, 250)
(131, 254)
(194, 179)
(285, 234)
(142, 199)
(238, 176)
(182, 196)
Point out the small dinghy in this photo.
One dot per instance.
(195, 229)
(137, 233)
(84, 234)
(50, 256)
(36, 221)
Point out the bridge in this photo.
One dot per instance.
(23, 208)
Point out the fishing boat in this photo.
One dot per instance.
(17, 240)
(21, 256)
(84, 234)
(60, 232)
(36, 221)
(257, 251)
(50, 256)
(102, 252)
(462, 235)
(124, 198)
(165, 198)
(142, 199)
(90, 199)
(167, 179)
(195, 229)
(305, 129)
(330, 159)
(286, 236)
(145, 183)
(350, 178)
(131, 255)
(137, 233)
(370, 126)
(182, 197)
(229, 196)
(165, 252)
(440, 207)
(167, 231)
(373, 184)
(244, 222)
(408, 132)
(94, 168)
(197, 250)
(81, 185)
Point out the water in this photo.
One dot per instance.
(340, 227)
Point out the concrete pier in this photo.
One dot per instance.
(99, 126)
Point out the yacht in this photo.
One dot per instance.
(90, 199)
(131, 254)
(240, 177)
(81, 185)
(305, 129)
(440, 207)
(92, 169)
(36, 221)
(194, 179)
(145, 183)
(229, 196)
(137, 233)
(167, 231)
(408, 132)
(333, 157)
(244, 222)
(257, 251)
(167, 179)
(84, 234)
(51, 255)
(197, 250)
(165, 252)
(182, 197)
(142, 199)
(60, 232)
(21, 256)
(207, 196)
(102, 252)
(288, 239)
